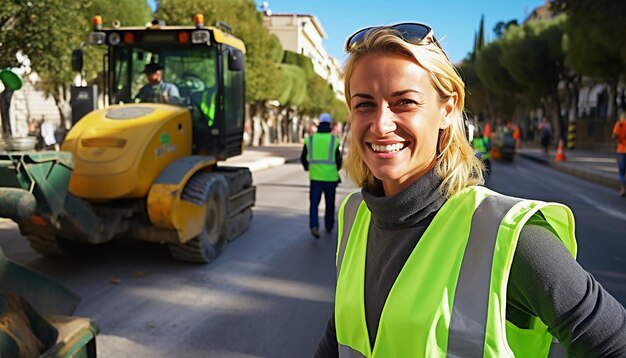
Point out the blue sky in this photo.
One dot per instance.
(454, 21)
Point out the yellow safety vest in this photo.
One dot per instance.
(449, 300)
(321, 148)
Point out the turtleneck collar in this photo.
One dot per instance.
(409, 206)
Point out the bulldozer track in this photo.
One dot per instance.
(238, 178)
(201, 189)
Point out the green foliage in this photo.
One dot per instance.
(480, 40)
(482, 100)
(490, 71)
(589, 57)
(339, 111)
(11, 20)
(475, 93)
(46, 31)
(263, 50)
(48, 34)
(602, 21)
(35, 27)
(293, 85)
(300, 61)
(320, 96)
(595, 42)
(128, 13)
(501, 27)
(534, 57)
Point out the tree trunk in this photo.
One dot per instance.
(265, 138)
(573, 87)
(257, 128)
(562, 129)
(62, 100)
(293, 125)
(279, 125)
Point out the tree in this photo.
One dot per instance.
(11, 19)
(501, 27)
(294, 93)
(501, 89)
(46, 32)
(534, 57)
(595, 41)
(475, 93)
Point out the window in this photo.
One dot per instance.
(234, 96)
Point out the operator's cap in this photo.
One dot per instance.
(326, 118)
(152, 68)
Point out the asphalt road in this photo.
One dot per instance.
(270, 293)
(599, 213)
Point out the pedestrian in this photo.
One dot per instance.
(429, 263)
(546, 134)
(619, 134)
(321, 157)
(157, 90)
(47, 134)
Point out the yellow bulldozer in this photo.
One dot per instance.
(146, 171)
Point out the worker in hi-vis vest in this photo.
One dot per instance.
(482, 145)
(429, 262)
(321, 156)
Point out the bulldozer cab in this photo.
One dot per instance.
(201, 69)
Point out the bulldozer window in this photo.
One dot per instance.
(191, 69)
(233, 96)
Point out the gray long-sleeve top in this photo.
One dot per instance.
(544, 281)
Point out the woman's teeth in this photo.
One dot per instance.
(388, 148)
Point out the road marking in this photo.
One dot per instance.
(609, 211)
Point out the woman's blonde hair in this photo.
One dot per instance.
(456, 164)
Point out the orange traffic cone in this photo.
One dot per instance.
(560, 153)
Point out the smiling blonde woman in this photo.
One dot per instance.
(430, 263)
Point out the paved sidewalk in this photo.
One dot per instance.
(597, 167)
(259, 158)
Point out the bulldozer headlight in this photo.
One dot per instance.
(114, 38)
(200, 37)
(97, 38)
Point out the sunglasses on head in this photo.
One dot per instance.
(411, 32)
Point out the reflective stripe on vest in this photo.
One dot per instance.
(476, 319)
(466, 337)
(348, 212)
(208, 109)
(321, 148)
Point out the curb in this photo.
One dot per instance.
(604, 180)
(256, 165)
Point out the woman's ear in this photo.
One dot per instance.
(447, 109)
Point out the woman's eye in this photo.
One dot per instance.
(405, 102)
(363, 105)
